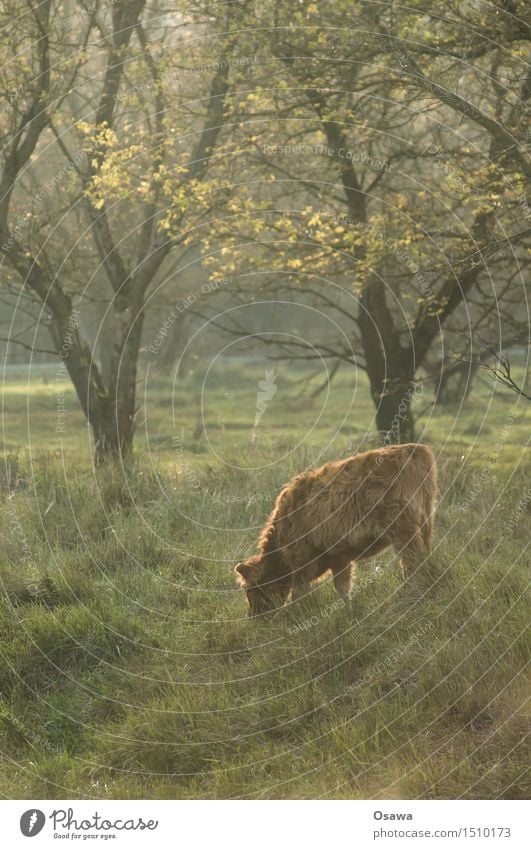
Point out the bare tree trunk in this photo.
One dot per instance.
(114, 431)
(390, 367)
(394, 417)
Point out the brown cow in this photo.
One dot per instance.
(333, 516)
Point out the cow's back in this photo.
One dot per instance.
(359, 496)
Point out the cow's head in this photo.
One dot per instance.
(263, 594)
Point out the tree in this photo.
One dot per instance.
(139, 183)
(410, 196)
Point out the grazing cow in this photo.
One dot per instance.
(342, 512)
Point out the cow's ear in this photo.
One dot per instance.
(247, 572)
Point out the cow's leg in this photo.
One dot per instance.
(427, 531)
(342, 576)
(410, 551)
(299, 589)
(302, 577)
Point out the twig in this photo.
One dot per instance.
(502, 370)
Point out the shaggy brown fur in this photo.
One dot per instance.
(331, 517)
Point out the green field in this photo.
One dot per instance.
(128, 666)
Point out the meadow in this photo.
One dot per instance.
(128, 666)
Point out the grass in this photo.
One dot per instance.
(129, 669)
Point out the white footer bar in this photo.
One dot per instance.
(265, 824)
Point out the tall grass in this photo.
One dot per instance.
(130, 670)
